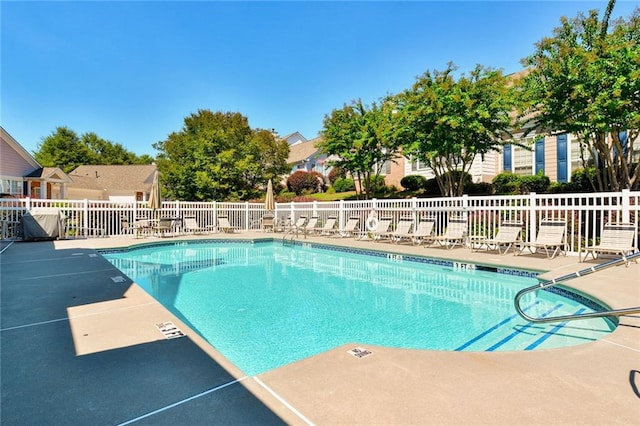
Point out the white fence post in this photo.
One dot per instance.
(246, 215)
(85, 219)
(533, 217)
(341, 215)
(626, 206)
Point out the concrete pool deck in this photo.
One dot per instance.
(80, 345)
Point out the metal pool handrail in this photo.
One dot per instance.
(555, 281)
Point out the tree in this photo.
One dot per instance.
(65, 149)
(217, 156)
(361, 139)
(446, 122)
(585, 80)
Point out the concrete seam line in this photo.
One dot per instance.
(282, 400)
(622, 346)
(175, 404)
(34, 324)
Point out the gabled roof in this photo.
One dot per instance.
(49, 174)
(294, 138)
(18, 148)
(118, 177)
(303, 150)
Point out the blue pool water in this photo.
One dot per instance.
(265, 305)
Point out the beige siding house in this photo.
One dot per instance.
(124, 183)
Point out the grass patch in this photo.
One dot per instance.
(323, 196)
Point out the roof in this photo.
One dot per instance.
(49, 174)
(18, 148)
(118, 177)
(303, 150)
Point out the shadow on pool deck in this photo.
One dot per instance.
(78, 347)
(51, 300)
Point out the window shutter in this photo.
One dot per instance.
(507, 158)
(561, 146)
(539, 155)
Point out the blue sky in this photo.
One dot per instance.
(132, 71)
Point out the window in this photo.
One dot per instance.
(522, 158)
(418, 165)
(13, 187)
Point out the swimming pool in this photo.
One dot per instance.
(265, 305)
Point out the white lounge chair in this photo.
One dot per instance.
(403, 229)
(329, 226)
(551, 236)
(617, 239)
(350, 228)
(311, 226)
(378, 232)
(423, 232)
(191, 226)
(299, 225)
(225, 226)
(456, 233)
(508, 236)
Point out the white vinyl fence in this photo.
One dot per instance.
(584, 213)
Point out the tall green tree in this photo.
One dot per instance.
(360, 137)
(447, 122)
(217, 156)
(65, 149)
(585, 80)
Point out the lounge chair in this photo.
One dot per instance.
(164, 226)
(299, 225)
(141, 227)
(311, 226)
(328, 226)
(550, 237)
(380, 231)
(268, 221)
(191, 226)
(225, 226)
(423, 232)
(456, 233)
(617, 239)
(403, 229)
(508, 236)
(350, 228)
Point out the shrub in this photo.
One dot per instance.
(336, 173)
(537, 183)
(580, 179)
(413, 182)
(481, 188)
(301, 180)
(432, 188)
(378, 185)
(506, 183)
(344, 185)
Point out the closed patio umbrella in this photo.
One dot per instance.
(269, 202)
(155, 199)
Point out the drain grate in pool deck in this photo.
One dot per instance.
(169, 330)
(359, 352)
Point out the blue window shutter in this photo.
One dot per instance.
(561, 141)
(539, 155)
(506, 158)
(624, 141)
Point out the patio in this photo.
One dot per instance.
(80, 345)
